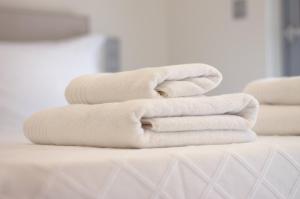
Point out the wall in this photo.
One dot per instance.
(140, 24)
(204, 31)
(274, 36)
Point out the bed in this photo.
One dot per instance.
(267, 168)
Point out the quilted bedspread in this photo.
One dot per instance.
(267, 168)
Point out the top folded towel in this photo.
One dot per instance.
(279, 91)
(161, 82)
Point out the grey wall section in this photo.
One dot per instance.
(112, 55)
(291, 19)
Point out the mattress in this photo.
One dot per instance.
(267, 168)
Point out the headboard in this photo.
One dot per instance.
(28, 25)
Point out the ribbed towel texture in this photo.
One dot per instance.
(280, 105)
(160, 82)
(150, 107)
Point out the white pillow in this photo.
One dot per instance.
(33, 76)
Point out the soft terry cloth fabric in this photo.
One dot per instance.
(170, 81)
(278, 120)
(148, 122)
(280, 105)
(279, 91)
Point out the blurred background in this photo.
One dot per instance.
(244, 39)
(240, 37)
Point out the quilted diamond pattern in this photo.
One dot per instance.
(190, 181)
(232, 175)
(250, 171)
(282, 181)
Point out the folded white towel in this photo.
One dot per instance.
(148, 122)
(169, 81)
(279, 91)
(278, 120)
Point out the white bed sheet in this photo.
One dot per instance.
(267, 168)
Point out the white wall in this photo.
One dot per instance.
(204, 31)
(140, 24)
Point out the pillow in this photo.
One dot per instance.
(33, 76)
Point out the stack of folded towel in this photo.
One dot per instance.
(280, 105)
(150, 107)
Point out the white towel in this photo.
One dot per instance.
(170, 81)
(148, 122)
(279, 112)
(278, 91)
(278, 120)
